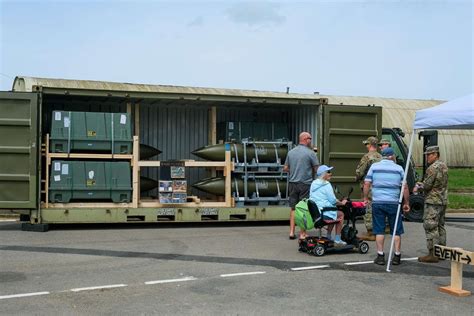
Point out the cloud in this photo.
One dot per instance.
(198, 21)
(256, 14)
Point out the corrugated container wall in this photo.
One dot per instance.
(298, 118)
(176, 130)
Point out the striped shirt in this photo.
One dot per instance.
(386, 177)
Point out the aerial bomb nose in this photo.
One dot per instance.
(210, 185)
(213, 152)
(147, 184)
(147, 151)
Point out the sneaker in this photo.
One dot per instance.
(380, 260)
(397, 259)
(339, 243)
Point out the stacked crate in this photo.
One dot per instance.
(90, 134)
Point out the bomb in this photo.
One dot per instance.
(266, 153)
(268, 187)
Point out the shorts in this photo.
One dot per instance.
(296, 192)
(382, 211)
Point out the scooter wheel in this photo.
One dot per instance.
(319, 250)
(363, 247)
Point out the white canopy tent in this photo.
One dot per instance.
(455, 114)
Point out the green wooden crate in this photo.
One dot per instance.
(89, 180)
(91, 132)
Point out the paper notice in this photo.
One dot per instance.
(57, 166)
(65, 169)
(57, 178)
(67, 122)
(91, 174)
(123, 119)
(57, 116)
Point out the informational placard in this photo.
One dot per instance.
(173, 186)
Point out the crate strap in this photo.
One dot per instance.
(236, 152)
(236, 188)
(112, 136)
(69, 134)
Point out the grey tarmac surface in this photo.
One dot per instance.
(80, 257)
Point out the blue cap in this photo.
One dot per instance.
(388, 152)
(322, 169)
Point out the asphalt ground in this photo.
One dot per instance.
(242, 269)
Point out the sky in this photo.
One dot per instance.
(401, 49)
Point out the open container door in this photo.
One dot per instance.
(18, 150)
(344, 129)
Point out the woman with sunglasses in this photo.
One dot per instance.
(322, 193)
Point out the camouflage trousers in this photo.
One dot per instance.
(433, 223)
(368, 212)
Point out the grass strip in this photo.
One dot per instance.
(460, 201)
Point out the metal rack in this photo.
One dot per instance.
(255, 170)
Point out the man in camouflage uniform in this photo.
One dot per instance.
(435, 187)
(384, 143)
(361, 171)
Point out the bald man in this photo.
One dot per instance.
(301, 164)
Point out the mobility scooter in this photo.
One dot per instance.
(318, 245)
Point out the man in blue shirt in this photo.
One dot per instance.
(385, 178)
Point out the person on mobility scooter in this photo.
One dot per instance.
(321, 210)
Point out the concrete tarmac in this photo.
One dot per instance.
(215, 269)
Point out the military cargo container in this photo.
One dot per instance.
(175, 119)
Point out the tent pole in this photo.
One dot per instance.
(404, 183)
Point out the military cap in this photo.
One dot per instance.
(371, 140)
(387, 152)
(384, 141)
(431, 149)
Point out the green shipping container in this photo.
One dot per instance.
(90, 132)
(89, 180)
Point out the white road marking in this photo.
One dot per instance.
(98, 287)
(357, 263)
(310, 268)
(23, 295)
(410, 259)
(242, 273)
(171, 280)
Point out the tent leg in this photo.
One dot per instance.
(404, 183)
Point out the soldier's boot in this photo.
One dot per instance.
(369, 236)
(430, 258)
